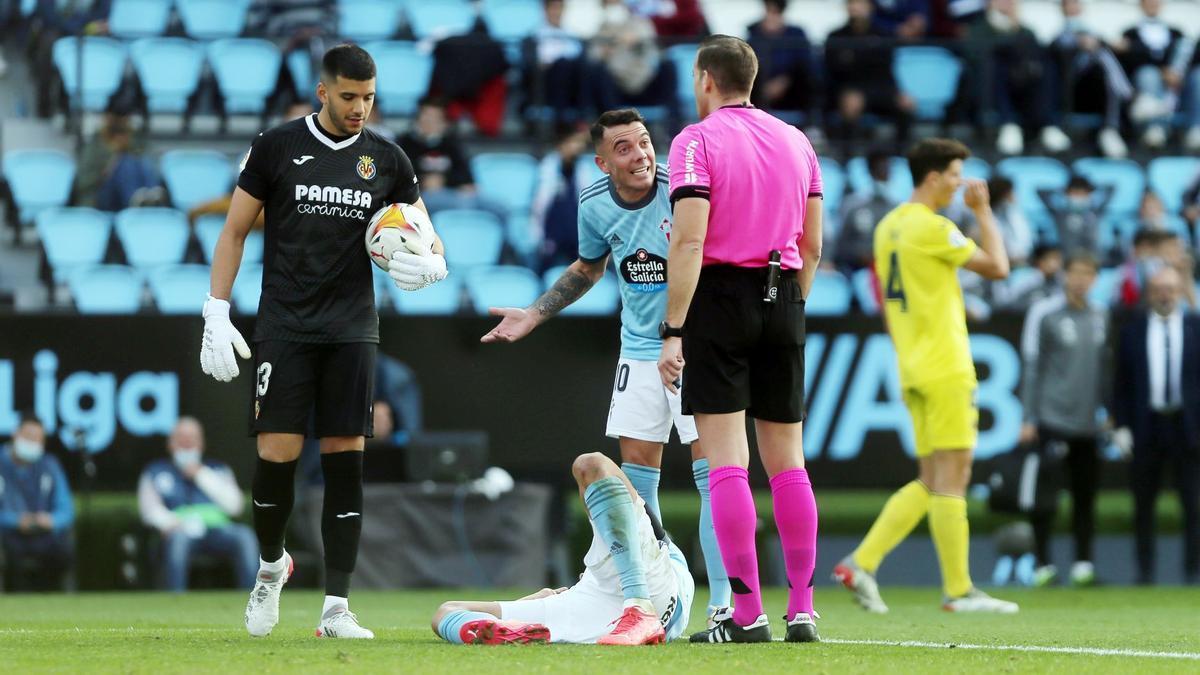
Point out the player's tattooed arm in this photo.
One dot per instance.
(574, 282)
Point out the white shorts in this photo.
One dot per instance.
(643, 409)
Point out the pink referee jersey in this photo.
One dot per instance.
(757, 173)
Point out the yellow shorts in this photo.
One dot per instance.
(944, 415)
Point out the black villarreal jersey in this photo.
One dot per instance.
(319, 193)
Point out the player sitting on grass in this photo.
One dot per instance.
(635, 589)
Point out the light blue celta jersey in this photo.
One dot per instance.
(637, 235)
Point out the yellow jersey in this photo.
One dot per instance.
(917, 256)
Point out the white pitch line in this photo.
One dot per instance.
(1089, 651)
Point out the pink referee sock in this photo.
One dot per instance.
(734, 520)
(796, 520)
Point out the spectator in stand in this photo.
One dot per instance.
(627, 68)
(786, 78)
(1191, 206)
(858, 58)
(675, 20)
(53, 19)
(398, 393)
(294, 25)
(1076, 214)
(441, 163)
(1090, 76)
(854, 247)
(36, 512)
(1021, 292)
(469, 73)
(1142, 263)
(114, 172)
(1159, 60)
(1010, 217)
(555, 207)
(1152, 213)
(190, 501)
(1016, 66)
(555, 75)
(907, 20)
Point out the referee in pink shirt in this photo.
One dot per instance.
(746, 192)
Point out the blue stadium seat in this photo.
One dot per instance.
(129, 19)
(103, 69)
(441, 299)
(38, 179)
(73, 237)
(362, 20)
(973, 167)
(1124, 176)
(213, 19)
(472, 238)
(830, 295)
(863, 283)
(833, 178)
(507, 177)
(1029, 174)
(585, 166)
(247, 288)
(153, 236)
(304, 81)
(512, 20)
(502, 286)
(1104, 291)
(684, 57)
(179, 289)
(439, 19)
(930, 76)
(603, 299)
(399, 95)
(208, 230)
(106, 289)
(899, 186)
(247, 70)
(196, 176)
(1170, 177)
(169, 71)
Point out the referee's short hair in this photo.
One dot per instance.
(730, 62)
(934, 155)
(614, 118)
(349, 61)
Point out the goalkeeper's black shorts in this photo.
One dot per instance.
(331, 384)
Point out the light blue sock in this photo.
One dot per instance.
(611, 509)
(645, 481)
(718, 580)
(451, 625)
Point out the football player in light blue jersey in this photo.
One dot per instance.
(627, 215)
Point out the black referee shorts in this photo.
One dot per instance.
(335, 383)
(741, 353)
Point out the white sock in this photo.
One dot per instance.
(641, 603)
(273, 568)
(333, 601)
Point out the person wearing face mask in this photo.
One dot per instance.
(36, 512)
(625, 64)
(190, 501)
(1076, 213)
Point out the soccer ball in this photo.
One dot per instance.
(398, 227)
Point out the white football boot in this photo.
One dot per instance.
(262, 611)
(340, 622)
(977, 601)
(861, 583)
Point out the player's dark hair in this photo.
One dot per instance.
(349, 61)
(999, 189)
(614, 118)
(729, 61)
(27, 417)
(1083, 258)
(934, 155)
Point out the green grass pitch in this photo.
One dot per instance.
(202, 632)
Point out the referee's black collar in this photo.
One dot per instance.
(736, 105)
(326, 138)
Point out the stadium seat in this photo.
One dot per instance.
(930, 76)
(899, 185)
(1124, 176)
(247, 288)
(502, 286)
(684, 57)
(512, 20)
(300, 67)
(179, 289)
(362, 20)
(103, 69)
(399, 95)
(585, 167)
(1029, 174)
(213, 19)
(129, 19)
(1170, 177)
(208, 230)
(106, 289)
(38, 179)
(830, 295)
(973, 167)
(863, 283)
(472, 238)
(153, 236)
(168, 70)
(439, 19)
(246, 71)
(1104, 291)
(833, 179)
(73, 237)
(603, 299)
(507, 177)
(196, 176)
(441, 299)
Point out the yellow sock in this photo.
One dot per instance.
(899, 516)
(951, 538)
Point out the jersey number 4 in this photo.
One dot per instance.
(895, 285)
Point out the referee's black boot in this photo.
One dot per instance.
(801, 628)
(725, 630)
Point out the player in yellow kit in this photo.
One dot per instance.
(917, 256)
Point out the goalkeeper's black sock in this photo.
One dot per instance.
(341, 518)
(273, 492)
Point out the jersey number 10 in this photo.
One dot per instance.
(895, 285)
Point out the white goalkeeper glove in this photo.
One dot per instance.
(412, 272)
(220, 339)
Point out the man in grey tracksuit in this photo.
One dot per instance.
(1064, 347)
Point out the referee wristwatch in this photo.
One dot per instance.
(666, 330)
